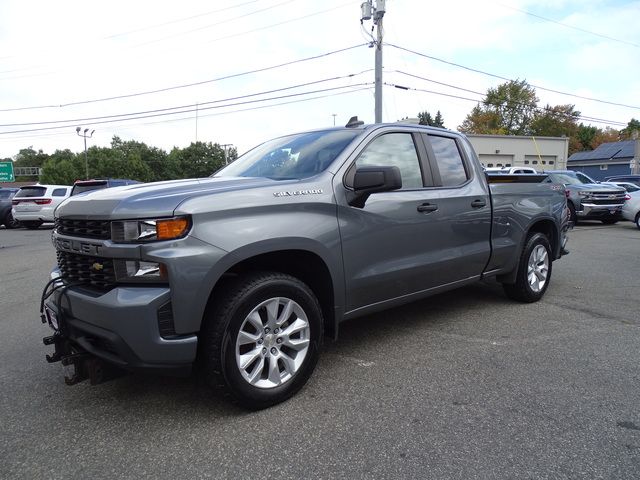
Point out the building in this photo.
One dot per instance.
(607, 160)
(541, 153)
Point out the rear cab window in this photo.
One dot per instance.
(448, 160)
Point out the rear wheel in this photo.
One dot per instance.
(10, 222)
(261, 338)
(33, 224)
(534, 270)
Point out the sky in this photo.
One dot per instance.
(171, 73)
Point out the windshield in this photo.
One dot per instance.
(293, 157)
(566, 179)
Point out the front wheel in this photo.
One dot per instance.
(261, 338)
(638, 220)
(572, 213)
(534, 270)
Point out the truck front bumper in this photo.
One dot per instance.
(121, 327)
(594, 211)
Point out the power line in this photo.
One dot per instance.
(211, 25)
(583, 30)
(178, 20)
(186, 85)
(538, 109)
(430, 57)
(197, 105)
(69, 125)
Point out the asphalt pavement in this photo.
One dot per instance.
(467, 384)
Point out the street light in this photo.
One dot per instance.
(85, 136)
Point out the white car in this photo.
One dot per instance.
(35, 204)
(631, 208)
(510, 170)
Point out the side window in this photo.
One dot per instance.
(394, 149)
(449, 161)
(59, 192)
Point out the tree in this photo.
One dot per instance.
(63, 168)
(507, 109)
(198, 160)
(585, 135)
(626, 133)
(425, 118)
(605, 136)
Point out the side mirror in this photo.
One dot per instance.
(368, 180)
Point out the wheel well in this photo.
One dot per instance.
(302, 264)
(548, 228)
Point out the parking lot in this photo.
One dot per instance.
(463, 385)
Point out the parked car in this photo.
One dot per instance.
(631, 209)
(243, 273)
(6, 218)
(628, 186)
(82, 186)
(35, 204)
(588, 200)
(510, 170)
(624, 178)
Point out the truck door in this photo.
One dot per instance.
(420, 237)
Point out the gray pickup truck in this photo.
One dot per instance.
(588, 199)
(243, 273)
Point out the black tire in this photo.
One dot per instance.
(638, 220)
(223, 322)
(32, 224)
(610, 221)
(10, 222)
(572, 213)
(522, 290)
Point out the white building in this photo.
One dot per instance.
(541, 153)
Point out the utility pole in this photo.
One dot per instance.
(635, 168)
(376, 12)
(334, 118)
(224, 146)
(86, 159)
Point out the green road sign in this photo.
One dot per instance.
(6, 172)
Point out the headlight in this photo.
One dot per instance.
(133, 231)
(584, 194)
(137, 271)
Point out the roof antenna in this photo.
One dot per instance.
(354, 122)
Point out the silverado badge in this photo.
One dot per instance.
(97, 266)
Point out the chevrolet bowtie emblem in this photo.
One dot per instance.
(97, 266)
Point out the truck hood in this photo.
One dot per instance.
(597, 187)
(156, 199)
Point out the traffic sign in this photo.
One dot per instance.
(6, 172)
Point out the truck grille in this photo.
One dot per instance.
(97, 272)
(100, 229)
(601, 198)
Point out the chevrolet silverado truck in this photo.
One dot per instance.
(240, 275)
(587, 199)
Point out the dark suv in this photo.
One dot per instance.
(6, 194)
(82, 186)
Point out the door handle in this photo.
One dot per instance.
(427, 207)
(478, 203)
